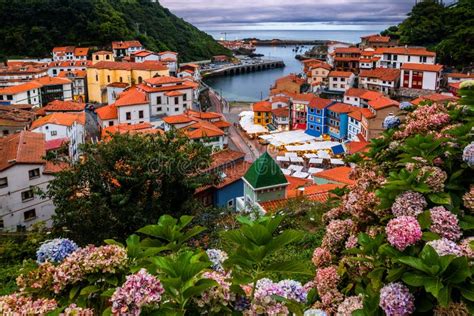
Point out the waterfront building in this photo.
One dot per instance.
(385, 80)
(368, 59)
(317, 73)
(22, 170)
(395, 57)
(346, 59)
(262, 113)
(66, 53)
(290, 83)
(26, 93)
(377, 41)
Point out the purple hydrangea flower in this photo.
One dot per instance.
(217, 257)
(444, 247)
(468, 154)
(391, 121)
(445, 223)
(396, 300)
(55, 250)
(405, 105)
(409, 203)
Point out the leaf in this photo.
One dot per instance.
(290, 267)
(443, 296)
(108, 292)
(429, 236)
(433, 285)
(424, 219)
(89, 290)
(415, 263)
(395, 274)
(413, 279)
(107, 311)
(113, 242)
(457, 271)
(73, 292)
(467, 291)
(199, 287)
(440, 198)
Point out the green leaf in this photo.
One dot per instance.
(424, 219)
(395, 274)
(441, 198)
(108, 292)
(413, 279)
(457, 271)
(429, 236)
(89, 290)
(107, 311)
(199, 287)
(73, 292)
(433, 285)
(467, 291)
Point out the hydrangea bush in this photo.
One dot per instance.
(55, 250)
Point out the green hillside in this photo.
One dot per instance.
(447, 29)
(34, 27)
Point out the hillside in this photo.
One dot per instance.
(447, 29)
(34, 27)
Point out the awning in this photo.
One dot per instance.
(338, 149)
(286, 172)
(316, 161)
(296, 159)
(295, 168)
(301, 175)
(314, 170)
(337, 161)
(310, 156)
(283, 158)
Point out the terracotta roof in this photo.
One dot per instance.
(386, 74)
(225, 157)
(262, 106)
(167, 52)
(64, 106)
(20, 88)
(371, 95)
(359, 112)
(319, 103)
(149, 66)
(54, 167)
(377, 38)
(456, 85)
(422, 67)
(338, 174)
(132, 96)
(295, 183)
(81, 51)
(291, 78)
(143, 53)
(63, 49)
(73, 74)
(355, 92)
(435, 97)
(382, 103)
(344, 74)
(281, 112)
(174, 93)
(24, 148)
(49, 81)
(55, 143)
(108, 112)
(141, 128)
(459, 75)
(346, 50)
(280, 98)
(356, 147)
(305, 97)
(412, 51)
(59, 118)
(164, 80)
(221, 124)
(271, 206)
(178, 119)
(202, 129)
(342, 108)
(103, 52)
(233, 171)
(204, 115)
(125, 44)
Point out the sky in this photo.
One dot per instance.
(290, 14)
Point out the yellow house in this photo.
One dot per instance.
(102, 55)
(262, 113)
(104, 73)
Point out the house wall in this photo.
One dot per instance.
(230, 192)
(134, 111)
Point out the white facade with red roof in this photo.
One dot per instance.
(340, 81)
(65, 53)
(22, 168)
(421, 76)
(27, 93)
(126, 48)
(395, 57)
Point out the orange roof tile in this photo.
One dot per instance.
(422, 67)
(371, 95)
(54, 167)
(338, 174)
(224, 157)
(291, 78)
(342, 108)
(24, 148)
(262, 106)
(164, 80)
(81, 51)
(356, 147)
(64, 106)
(130, 97)
(20, 88)
(148, 66)
(50, 81)
(221, 124)
(382, 103)
(344, 74)
(346, 50)
(202, 129)
(281, 112)
(174, 93)
(59, 118)
(459, 75)
(319, 103)
(178, 119)
(412, 51)
(125, 44)
(386, 74)
(355, 92)
(280, 98)
(271, 206)
(108, 112)
(204, 115)
(377, 38)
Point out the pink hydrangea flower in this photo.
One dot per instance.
(444, 247)
(139, 290)
(349, 305)
(73, 310)
(466, 248)
(336, 233)
(403, 231)
(326, 279)
(409, 203)
(18, 304)
(321, 257)
(219, 295)
(445, 223)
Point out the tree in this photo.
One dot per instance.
(126, 183)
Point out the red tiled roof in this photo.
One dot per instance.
(459, 75)
(344, 74)
(371, 95)
(164, 80)
(108, 112)
(125, 44)
(359, 112)
(319, 103)
(356, 147)
(54, 167)
(143, 53)
(132, 96)
(81, 51)
(24, 147)
(262, 106)
(382, 103)
(291, 78)
(224, 157)
(435, 97)
(50, 81)
(281, 112)
(346, 50)
(355, 92)
(386, 74)
(377, 38)
(55, 143)
(412, 51)
(342, 108)
(204, 115)
(59, 118)
(202, 129)
(64, 106)
(178, 119)
(148, 66)
(280, 98)
(20, 88)
(422, 67)
(174, 93)
(338, 174)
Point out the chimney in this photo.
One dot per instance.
(300, 191)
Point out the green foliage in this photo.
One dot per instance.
(33, 28)
(447, 29)
(16, 247)
(127, 183)
(253, 244)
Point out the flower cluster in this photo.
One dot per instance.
(468, 154)
(445, 223)
(17, 304)
(217, 257)
(139, 290)
(216, 296)
(55, 250)
(444, 247)
(468, 199)
(336, 233)
(405, 106)
(409, 203)
(466, 246)
(73, 310)
(263, 302)
(349, 305)
(403, 231)
(391, 121)
(435, 177)
(396, 300)
(424, 119)
(321, 257)
(326, 279)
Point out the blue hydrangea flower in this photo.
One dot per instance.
(55, 250)
(391, 121)
(405, 105)
(468, 154)
(315, 312)
(217, 257)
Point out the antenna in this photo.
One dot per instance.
(225, 35)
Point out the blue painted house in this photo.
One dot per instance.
(338, 120)
(317, 117)
(228, 166)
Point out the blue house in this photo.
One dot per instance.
(317, 117)
(228, 167)
(338, 120)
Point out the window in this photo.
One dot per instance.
(33, 174)
(423, 59)
(9, 97)
(96, 77)
(54, 133)
(176, 109)
(3, 182)
(318, 128)
(5, 132)
(184, 97)
(176, 100)
(409, 58)
(108, 78)
(158, 100)
(140, 79)
(230, 203)
(27, 195)
(111, 123)
(29, 215)
(108, 57)
(2, 224)
(140, 114)
(128, 116)
(96, 57)
(121, 79)
(159, 109)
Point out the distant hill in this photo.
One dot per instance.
(34, 27)
(447, 29)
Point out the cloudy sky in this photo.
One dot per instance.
(291, 14)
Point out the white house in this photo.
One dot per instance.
(419, 76)
(19, 72)
(395, 57)
(145, 55)
(126, 48)
(61, 125)
(26, 93)
(70, 53)
(114, 89)
(340, 81)
(385, 80)
(56, 67)
(171, 60)
(22, 169)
